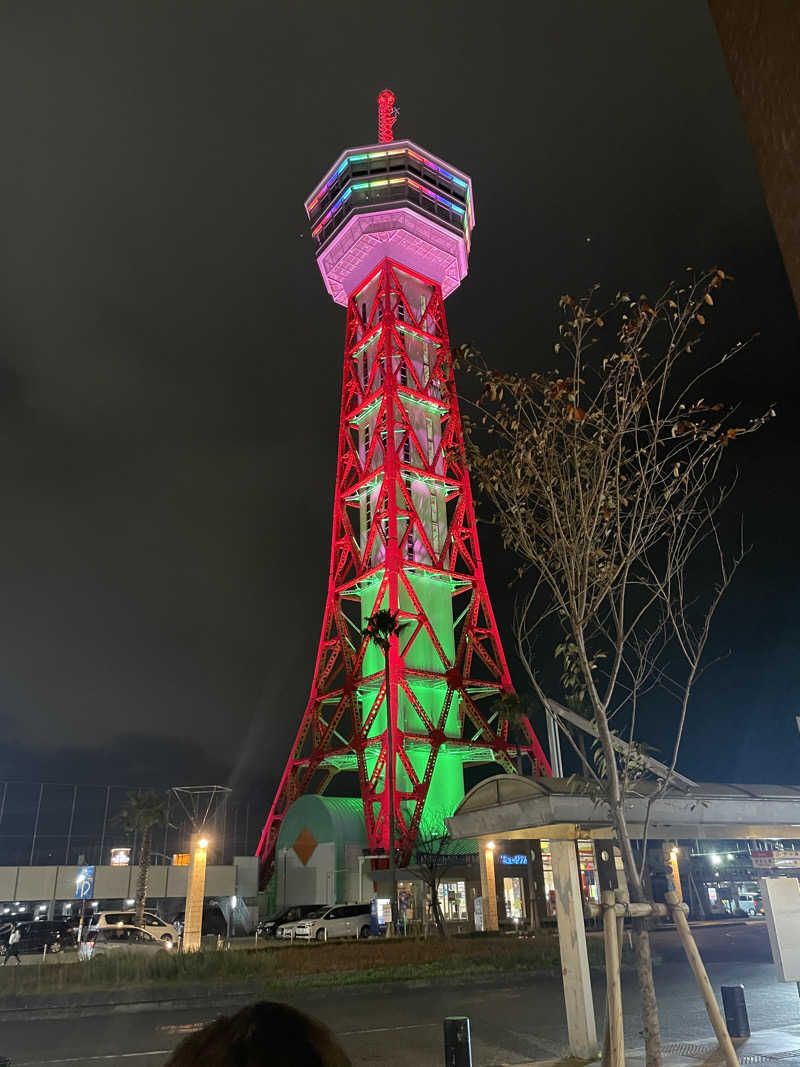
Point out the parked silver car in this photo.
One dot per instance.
(153, 923)
(130, 939)
(339, 920)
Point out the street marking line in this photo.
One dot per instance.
(86, 1059)
(385, 1029)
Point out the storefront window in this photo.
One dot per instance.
(549, 884)
(406, 902)
(591, 890)
(514, 894)
(588, 871)
(453, 900)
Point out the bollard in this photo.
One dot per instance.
(735, 1009)
(457, 1047)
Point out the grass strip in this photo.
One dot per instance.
(333, 963)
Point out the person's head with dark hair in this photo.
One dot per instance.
(261, 1035)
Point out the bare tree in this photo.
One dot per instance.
(432, 856)
(605, 483)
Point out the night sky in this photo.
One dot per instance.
(170, 362)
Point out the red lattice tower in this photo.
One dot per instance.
(392, 228)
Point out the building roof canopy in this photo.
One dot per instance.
(507, 806)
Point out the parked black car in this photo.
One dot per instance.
(214, 921)
(66, 929)
(269, 927)
(35, 935)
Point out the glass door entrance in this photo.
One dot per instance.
(514, 895)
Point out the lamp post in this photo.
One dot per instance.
(195, 893)
(489, 885)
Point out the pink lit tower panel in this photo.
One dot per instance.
(392, 225)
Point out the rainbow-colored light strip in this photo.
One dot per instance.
(334, 207)
(436, 167)
(375, 155)
(345, 162)
(436, 196)
(378, 182)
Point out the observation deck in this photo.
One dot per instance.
(392, 201)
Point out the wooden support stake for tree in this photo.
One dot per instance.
(697, 965)
(622, 897)
(616, 1039)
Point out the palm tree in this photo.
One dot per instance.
(380, 628)
(142, 812)
(513, 709)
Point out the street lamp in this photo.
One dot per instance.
(489, 886)
(195, 895)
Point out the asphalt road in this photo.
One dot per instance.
(513, 1019)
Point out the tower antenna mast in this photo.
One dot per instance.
(387, 116)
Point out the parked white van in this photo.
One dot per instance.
(338, 920)
(750, 904)
(155, 926)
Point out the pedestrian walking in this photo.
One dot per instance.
(12, 949)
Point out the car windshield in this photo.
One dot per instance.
(317, 913)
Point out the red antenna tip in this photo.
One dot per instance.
(387, 116)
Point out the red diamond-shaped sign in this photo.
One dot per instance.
(305, 845)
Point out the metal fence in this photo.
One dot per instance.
(44, 823)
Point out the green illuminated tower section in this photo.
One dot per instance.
(403, 526)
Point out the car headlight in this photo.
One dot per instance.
(167, 944)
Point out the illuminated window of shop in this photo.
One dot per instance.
(514, 896)
(549, 883)
(406, 901)
(588, 867)
(453, 900)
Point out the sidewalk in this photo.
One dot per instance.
(779, 1046)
